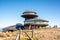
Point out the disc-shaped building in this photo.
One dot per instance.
(32, 20)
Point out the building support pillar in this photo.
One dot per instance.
(34, 26)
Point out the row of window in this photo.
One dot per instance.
(35, 22)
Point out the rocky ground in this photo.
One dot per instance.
(39, 34)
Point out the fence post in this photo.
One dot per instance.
(19, 34)
(32, 33)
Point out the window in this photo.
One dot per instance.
(29, 22)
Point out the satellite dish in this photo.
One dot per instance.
(19, 26)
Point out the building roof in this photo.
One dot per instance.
(29, 16)
(29, 11)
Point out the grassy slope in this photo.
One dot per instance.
(40, 34)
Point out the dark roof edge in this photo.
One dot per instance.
(37, 20)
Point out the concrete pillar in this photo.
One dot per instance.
(36, 27)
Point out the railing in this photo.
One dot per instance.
(18, 37)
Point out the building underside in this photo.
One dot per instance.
(34, 26)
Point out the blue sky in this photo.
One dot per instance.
(11, 11)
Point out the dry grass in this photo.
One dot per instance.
(48, 34)
(39, 34)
